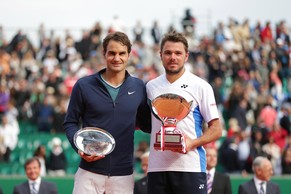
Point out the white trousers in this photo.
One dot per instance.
(92, 183)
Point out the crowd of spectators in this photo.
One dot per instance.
(248, 67)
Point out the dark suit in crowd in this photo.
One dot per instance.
(45, 188)
(221, 184)
(250, 188)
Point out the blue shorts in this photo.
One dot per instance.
(177, 183)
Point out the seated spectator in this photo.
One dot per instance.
(286, 161)
(233, 127)
(228, 154)
(273, 154)
(57, 161)
(40, 153)
(279, 134)
(141, 149)
(9, 135)
(285, 120)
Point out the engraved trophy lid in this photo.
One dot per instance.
(94, 141)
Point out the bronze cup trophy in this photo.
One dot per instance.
(170, 109)
(94, 141)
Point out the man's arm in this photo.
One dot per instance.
(213, 133)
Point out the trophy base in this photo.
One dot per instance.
(173, 142)
(169, 146)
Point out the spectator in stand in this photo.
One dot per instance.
(243, 151)
(156, 32)
(59, 116)
(141, 149)
(233, 127)
(257, 142)
(228, 154)
(40, 153)
(4, 62)
(285, 120)
(21, 96)
(279, 135)
(239, 113)
(57, 161)
(9, 134)
(273, 152)
(286, 161)
(138, 31)
(268, 114)
(45, 114)
(266, 33)
(188, 23)
(4, 98)
(140, 186)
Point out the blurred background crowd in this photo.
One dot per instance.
(248, 66)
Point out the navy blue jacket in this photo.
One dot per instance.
(92, 106)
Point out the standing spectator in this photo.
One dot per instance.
(57, 161)
(261, 183)
(156, 32)
(35, 184)
(138, 31)
(188, 23)
(217, 183)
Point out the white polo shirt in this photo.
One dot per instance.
(204, 108)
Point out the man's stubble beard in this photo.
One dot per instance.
(173, 72)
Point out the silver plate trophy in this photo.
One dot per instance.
(170, 109)
(94, 141)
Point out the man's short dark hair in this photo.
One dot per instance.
(174, 37)
(30, 160)
(118, 37)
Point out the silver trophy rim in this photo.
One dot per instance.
(100, 131)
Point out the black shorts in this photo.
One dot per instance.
(177, 183)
